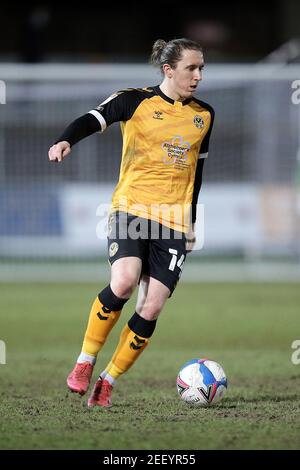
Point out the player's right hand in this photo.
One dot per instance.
(59, 151)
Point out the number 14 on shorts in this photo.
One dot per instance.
(175, 261)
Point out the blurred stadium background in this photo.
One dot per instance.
(251, 180)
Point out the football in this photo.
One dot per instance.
(201, 382)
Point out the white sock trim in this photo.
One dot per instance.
(110, 379)
(83, 357)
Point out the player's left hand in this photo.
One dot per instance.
(190, 239)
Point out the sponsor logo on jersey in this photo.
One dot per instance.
(113, 248)
(198, 121)
(176, 150)
(158, 115)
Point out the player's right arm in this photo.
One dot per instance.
(79, 129)
(118, 107)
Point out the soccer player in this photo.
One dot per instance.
(166, 135)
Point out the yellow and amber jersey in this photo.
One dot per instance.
(162, 142)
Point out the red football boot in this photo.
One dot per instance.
(79, 379)
(101, 394)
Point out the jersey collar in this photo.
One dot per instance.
(166, 98)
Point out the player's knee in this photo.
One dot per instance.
(151, 310)
(124, 286)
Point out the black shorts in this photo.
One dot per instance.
(162, 250)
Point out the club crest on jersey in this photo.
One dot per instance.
(157, 115)
(198, 121)
(113, 248)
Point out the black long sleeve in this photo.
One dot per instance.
(197, 187)
(79, 129)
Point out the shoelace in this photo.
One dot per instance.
(106, 389)
(83, 371)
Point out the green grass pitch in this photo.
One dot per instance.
(248, 328)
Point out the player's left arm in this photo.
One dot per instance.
(190, 236)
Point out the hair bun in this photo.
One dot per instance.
(157, 51)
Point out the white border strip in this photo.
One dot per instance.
(193, 272)
(99, 118)
(139, 72)
(203, 155)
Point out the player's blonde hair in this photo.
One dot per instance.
(171, 52)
